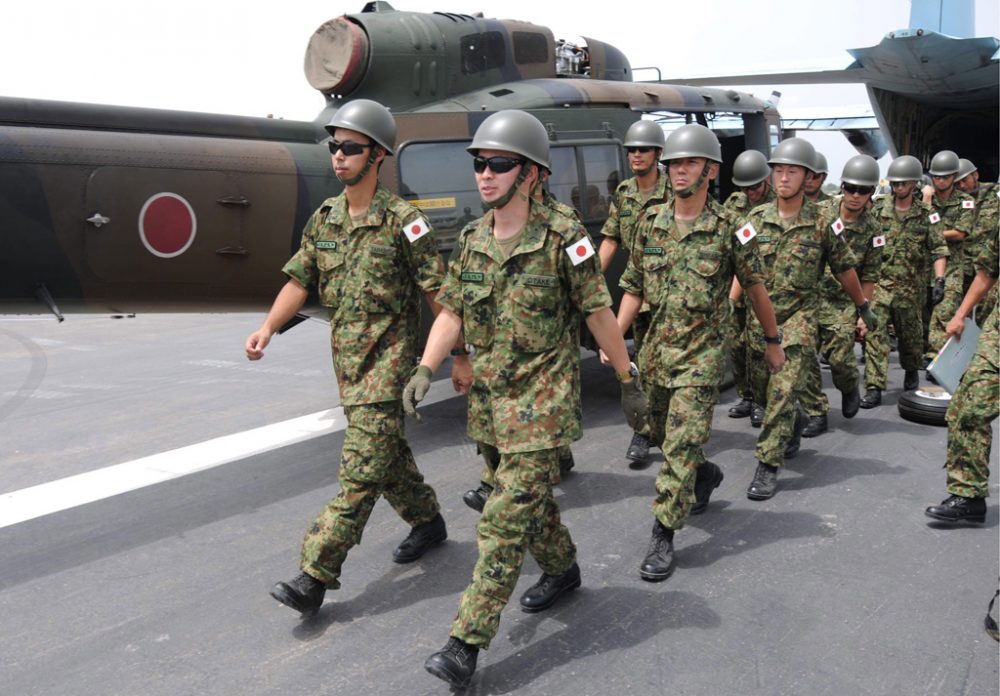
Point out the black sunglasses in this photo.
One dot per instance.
(497, 165)
(754, 187)
(348, 147)
(857, 190)
(640, 149)
(898, 183)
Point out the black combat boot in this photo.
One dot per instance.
(455, 663)
(742, 409)
(476, 497)
(872, 398)
(566, 463)
(707, 479)
(850, 402)
(303, 593)
(816, 426)
(756, 415)
(765, 481)
(420, 538)
(658, 565)
(795, 441)
(959, 509)
(544, 593)
(638, 450)
(911, 380)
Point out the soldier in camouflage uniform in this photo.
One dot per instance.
(370, 255)
(987, 221)
(649, 187)
(685, 256)
(795, 247)
(752, 176)
(910, 239)
(837, 319)
(816, 179)
(955, 212)
(515, 284)
(975, 404)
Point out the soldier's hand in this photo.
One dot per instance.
(255, 344)
(461, 374)
(415, 391)
(774, 356)
(634, 404)
(937, 292)
(955, 328)
(865, 312)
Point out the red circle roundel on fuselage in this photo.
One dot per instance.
(167, 225)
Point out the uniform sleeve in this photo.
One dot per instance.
(747, 266)
(612, 226)
(426, 266)
(632, 280)
(989, 258)
(872, 262)
(302, 267)
(966, 220)
(587, 288)
(839, 255)
(450, 294)
(936, 244)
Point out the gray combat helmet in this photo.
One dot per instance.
(644, 134)
(944, 163)
(368, 117)
(692, 140)
(860, 170)
(513, 131)
(965, 167)
(750, 168)
(821, 166)
(794, 151)
(905, 168)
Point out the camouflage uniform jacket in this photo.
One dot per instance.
(625, 211)
(957, 213)
(795, 261)
(686, 278)
(739, 203)
(864, 236)
(550, 201)
(986, 223)
(989, 340)
(520, 314)
(909, 243)
(370, 278)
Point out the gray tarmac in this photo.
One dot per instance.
(838, 585)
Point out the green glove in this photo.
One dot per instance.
(865, 312)
(634, 404)
(415, 391)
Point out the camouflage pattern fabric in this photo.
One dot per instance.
(985, 222)
(957, 213)
(375, 461)
(491, 460)
(680, 423)
(626, 209)
(975, 403)
(837, 315)
(911, 241)
(794, 262)
(520, 516)
(370, 278)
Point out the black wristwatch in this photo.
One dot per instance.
(776, 340)
(459, 351)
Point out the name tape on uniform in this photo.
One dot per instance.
(878, 241)
(746, 233)
(580, 250)
(837, 226)
(416, 230)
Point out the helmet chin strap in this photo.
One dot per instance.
(372, 155)
(689, 191)
(506, 198)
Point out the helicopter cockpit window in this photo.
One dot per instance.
(449, 198)
(482, 52)
(584, 177)
(530, 47)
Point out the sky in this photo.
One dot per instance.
(246, 57)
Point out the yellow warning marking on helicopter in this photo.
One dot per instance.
(434, 203)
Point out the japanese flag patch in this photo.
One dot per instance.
(580, 250)
(837, 226)
(934, 218)
(878, 241)
(968, 204)
(417, 229)
(746, 233)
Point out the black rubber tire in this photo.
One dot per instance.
(927, 405)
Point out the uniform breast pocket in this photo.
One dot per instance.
(536, 319)
(655, 272)
(478, 314)
(331, 270)
(804, 265)
(703, 279)
(380, 287)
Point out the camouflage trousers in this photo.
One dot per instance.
(942, 314)
(905, 317)
(375, 460)
(680, 422)
(835, 340)
(640, 327)
(738, 351)
(972, 410)
(491, 460)
(520, 516)
(778, 394)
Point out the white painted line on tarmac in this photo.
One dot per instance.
(72, 491)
